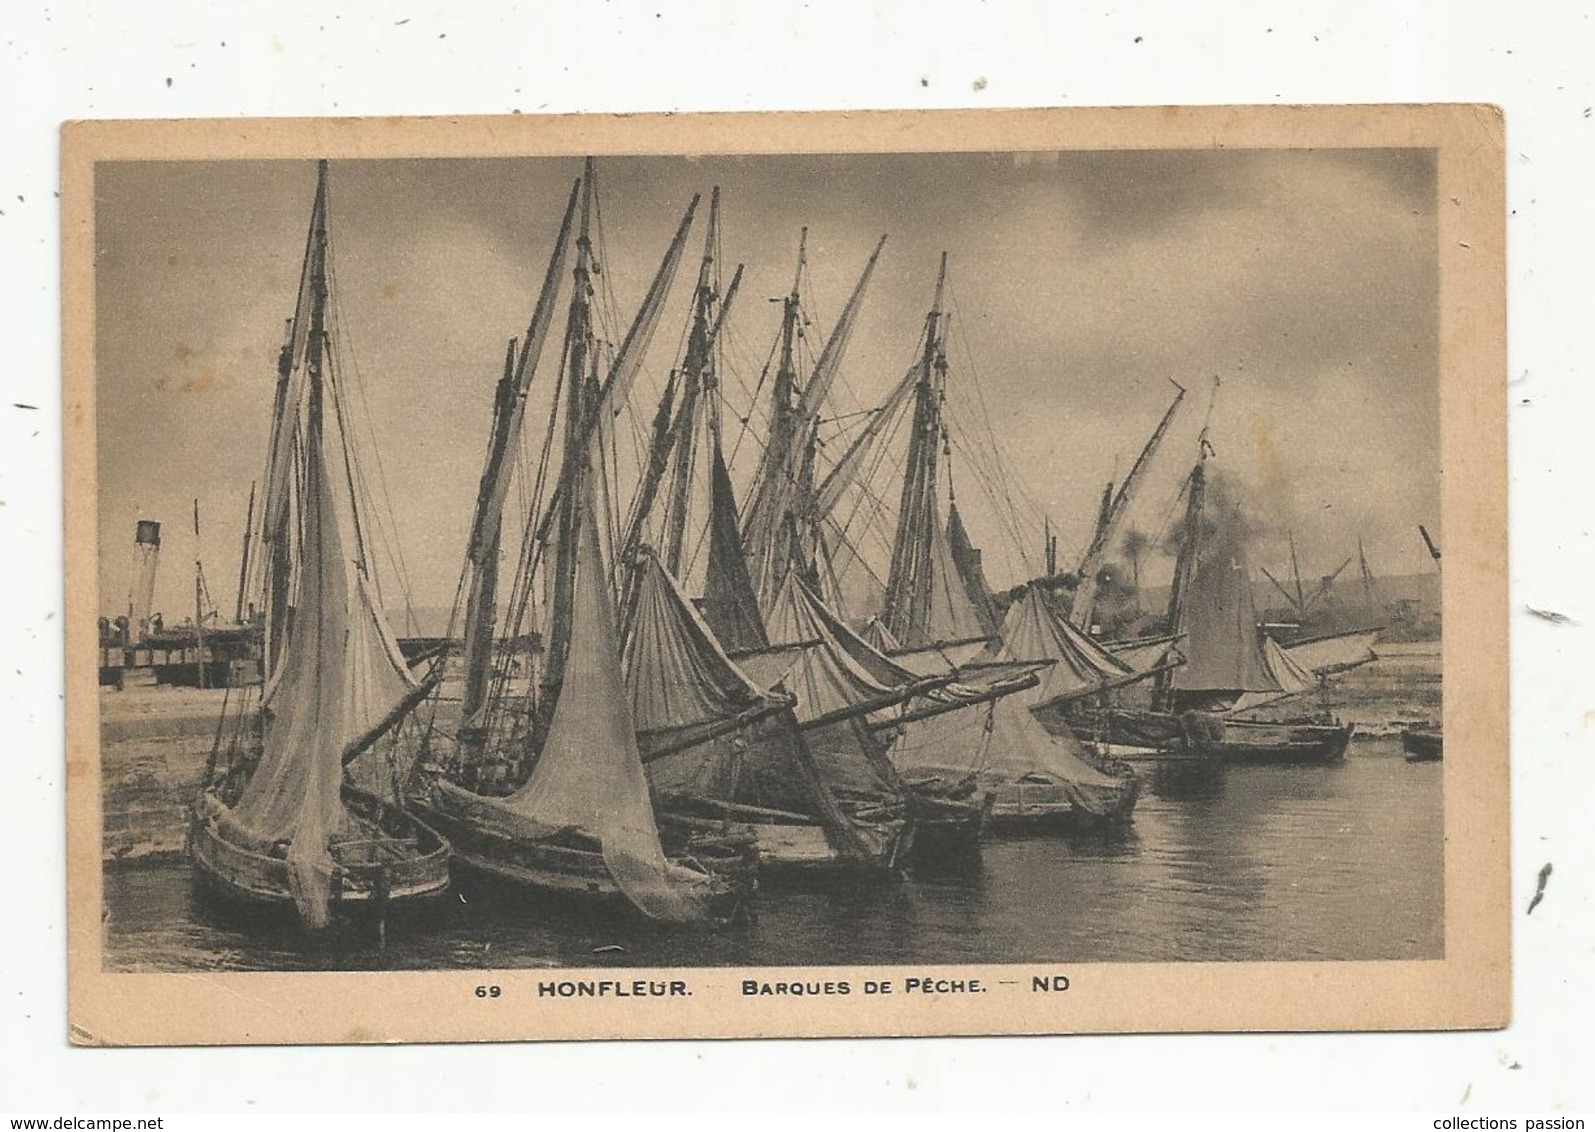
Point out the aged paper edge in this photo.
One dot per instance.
(1469, 988)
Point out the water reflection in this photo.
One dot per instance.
(1180, 780)
(1220, 864)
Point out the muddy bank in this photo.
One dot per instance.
(153, 747)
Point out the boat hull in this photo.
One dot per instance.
(1032, 805)
(1212, 737)
(791, 845)
(1042, 803)
(573, 866)
(1422, 744)
(364, 884)
(1283, 742)
(948, 827)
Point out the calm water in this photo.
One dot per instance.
(1264, 863)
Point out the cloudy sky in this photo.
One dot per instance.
(1080, 283)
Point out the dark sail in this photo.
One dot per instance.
(966, 560)
(730, 605)
(1223, 647)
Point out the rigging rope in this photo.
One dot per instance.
(387, 531)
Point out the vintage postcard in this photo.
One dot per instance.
(759, 575)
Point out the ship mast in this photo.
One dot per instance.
(1295, 570)
(588, 403)
(578, 342)
(1113, 511)
(1190, 549)
(482, 549)
(1434, 547)
(785, 394)
(243, 562)
(766, 525)
(779, 528)
(1370, 604)
(304, 330)
(673, 447)
(697, 379)
(908, 585)
(316, 339)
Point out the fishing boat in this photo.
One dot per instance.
(1422, 744)
(542, 785)
(969, 742)
(1066, 783)
(1230, 666)
(851, 705)
(300, 811)
(805, 779)
(796, 538)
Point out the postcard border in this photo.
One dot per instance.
(1469, 988)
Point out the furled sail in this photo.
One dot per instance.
(1032, 631)
(378, 683)
(1004, 742)
(1286, 669)
(800, 615)
(1337, 653)
(835, 690)
(943, 609)
(683, 688)
(1146, 653)
(589, 773)
(294, 795)
(830, 682)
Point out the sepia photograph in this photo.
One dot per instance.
(766, 573)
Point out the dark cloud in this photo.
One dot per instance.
(1079, 281)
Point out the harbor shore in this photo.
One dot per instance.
(154, 741)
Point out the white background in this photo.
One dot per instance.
(291, 57)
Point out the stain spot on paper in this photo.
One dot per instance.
(1268, 453)
(199, 384)
(1539, 890)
